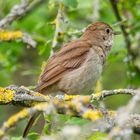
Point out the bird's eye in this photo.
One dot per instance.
(107, 31)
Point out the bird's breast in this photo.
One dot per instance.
(83, 79)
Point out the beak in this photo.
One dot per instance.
(116, 32)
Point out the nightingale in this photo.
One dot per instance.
(76, 67)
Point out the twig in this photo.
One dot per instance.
(58, 29)
(105, 93)
(125, 34)
(76, 107)
(21, 96)
(89, 130)
(28, 40)
(73, 108)
(9, 35)
(123, 117)
(13, 35)
(25, 97)
(16, 12)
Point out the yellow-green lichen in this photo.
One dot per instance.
(92, 114)
(70, 97)
(12, 120)
(45, 97)
(6, 95)
(41, 106)
(5, 35)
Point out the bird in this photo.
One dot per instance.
(76, 67)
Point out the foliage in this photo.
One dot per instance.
(21, 65)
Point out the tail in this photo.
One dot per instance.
(29, 125)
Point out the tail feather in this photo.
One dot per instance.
(29, 125)
(31, 122)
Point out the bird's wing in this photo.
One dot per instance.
(68, 58)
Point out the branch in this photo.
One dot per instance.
(25, 97)
(76, 107)
(58, 29)
(9, 35)
(21, 96)
(123, 117)
(28, 40)
(125, 34)
(105, 93)
(19, 11)
(16, 12)
(69, 107)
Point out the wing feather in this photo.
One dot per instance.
(67, 59)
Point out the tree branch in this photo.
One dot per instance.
(13, 35)
(74, 105)
(123, 117)
(125, 34)
(58, 29)
(25, 97)
(16, 12)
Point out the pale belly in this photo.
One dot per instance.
(83, 79)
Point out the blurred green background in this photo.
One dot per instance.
(20, 65)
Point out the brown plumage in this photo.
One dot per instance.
(76, 67)
(67, 59)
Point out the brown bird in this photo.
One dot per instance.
(76, 67)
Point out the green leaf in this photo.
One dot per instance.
(72, 3)
(33, 136)
(63, 117)
(97, 136)
(77, 121)
(46, 129)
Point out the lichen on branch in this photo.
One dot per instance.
(73, 105)
(7, 36)
(25, 97)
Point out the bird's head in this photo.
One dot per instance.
(100, 34)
